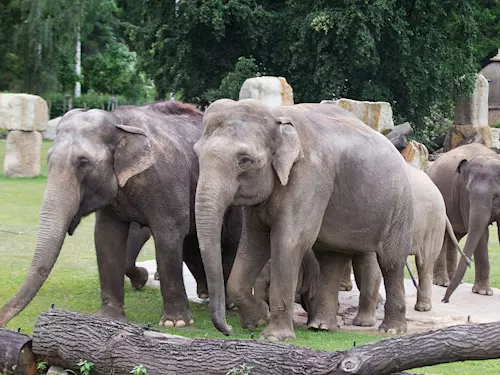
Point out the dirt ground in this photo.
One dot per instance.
(463, 306)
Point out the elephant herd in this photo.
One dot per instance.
(266, 206)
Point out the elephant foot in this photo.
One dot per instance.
(138, 277)
(274, 332)
(176, 319)
(157, 276)
(423, 306)
(346, 285)
(482, 289)
(364, 319)
(112, 313)
(393, 327)
(441, 280)
(323, 323)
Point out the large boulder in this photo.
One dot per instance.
(377, 115)
(273, 91)
(50, 132)
(473, 110)
(459, 135)
(23, 112)
(495, 139)
(416, 154)
(22, 155)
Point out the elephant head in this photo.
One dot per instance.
(93, 156)
(479, 190)
(245, 150)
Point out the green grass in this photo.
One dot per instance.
(74, 285)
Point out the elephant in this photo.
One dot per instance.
(306, 174)
(431, 227)
(138, 235)
(307, 281)
(467, 177)
(133, 164)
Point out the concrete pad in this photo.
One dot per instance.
(463, 304)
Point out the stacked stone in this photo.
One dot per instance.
(471, 118)
(25, 116)
(273, 91)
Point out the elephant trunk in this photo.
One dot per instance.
(212, 200)
(479, 216)
(60, 205)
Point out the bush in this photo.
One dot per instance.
(58, 107)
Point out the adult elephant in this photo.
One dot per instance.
(137, 164)
(469, 180)
(303, 173)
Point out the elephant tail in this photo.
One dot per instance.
(310, 275)
(451, 234)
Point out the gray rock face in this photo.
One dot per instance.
(23, 112)
(22, 156)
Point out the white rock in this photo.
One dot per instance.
(23, 112)
(377, 115)
(495, 138)
(50, 132)
(273, 91)
(56, 370)
(416, 154)
(22, 154)
(474, 110)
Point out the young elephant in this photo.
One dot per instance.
(134, 164)
(307, 174)
(469, 180)
(307, 282)
(431, 227)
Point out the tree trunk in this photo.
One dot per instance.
(16, 355)
(64, 338)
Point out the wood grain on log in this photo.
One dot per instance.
(65, 337)
(16, 355)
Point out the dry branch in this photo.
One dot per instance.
(65, 337)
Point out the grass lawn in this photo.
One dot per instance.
(74, 284)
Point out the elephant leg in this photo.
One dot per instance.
(192, 258)
(252, 255)
(482, 267)
(392, 263)
(322, 308)
(368, 279)
(424, 292)
(346, 283)
(169, 241)
(137, 237)
(110, 236)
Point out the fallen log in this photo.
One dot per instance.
(16, 355)
(64, 338)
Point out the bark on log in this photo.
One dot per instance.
(66, 337)
(16, 355)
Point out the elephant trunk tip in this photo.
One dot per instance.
(221, 324)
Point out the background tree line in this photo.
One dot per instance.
(415, 54)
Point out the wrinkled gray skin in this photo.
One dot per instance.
(469, 180)
(138, 235)
(133, 164)
(307, 281)
(302, 172)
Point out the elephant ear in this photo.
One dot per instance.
(461, 165)
(133, 154)
(287, 149)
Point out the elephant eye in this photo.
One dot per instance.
(83, 164)
(244, 160)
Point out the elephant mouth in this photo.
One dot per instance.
(74, 223)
